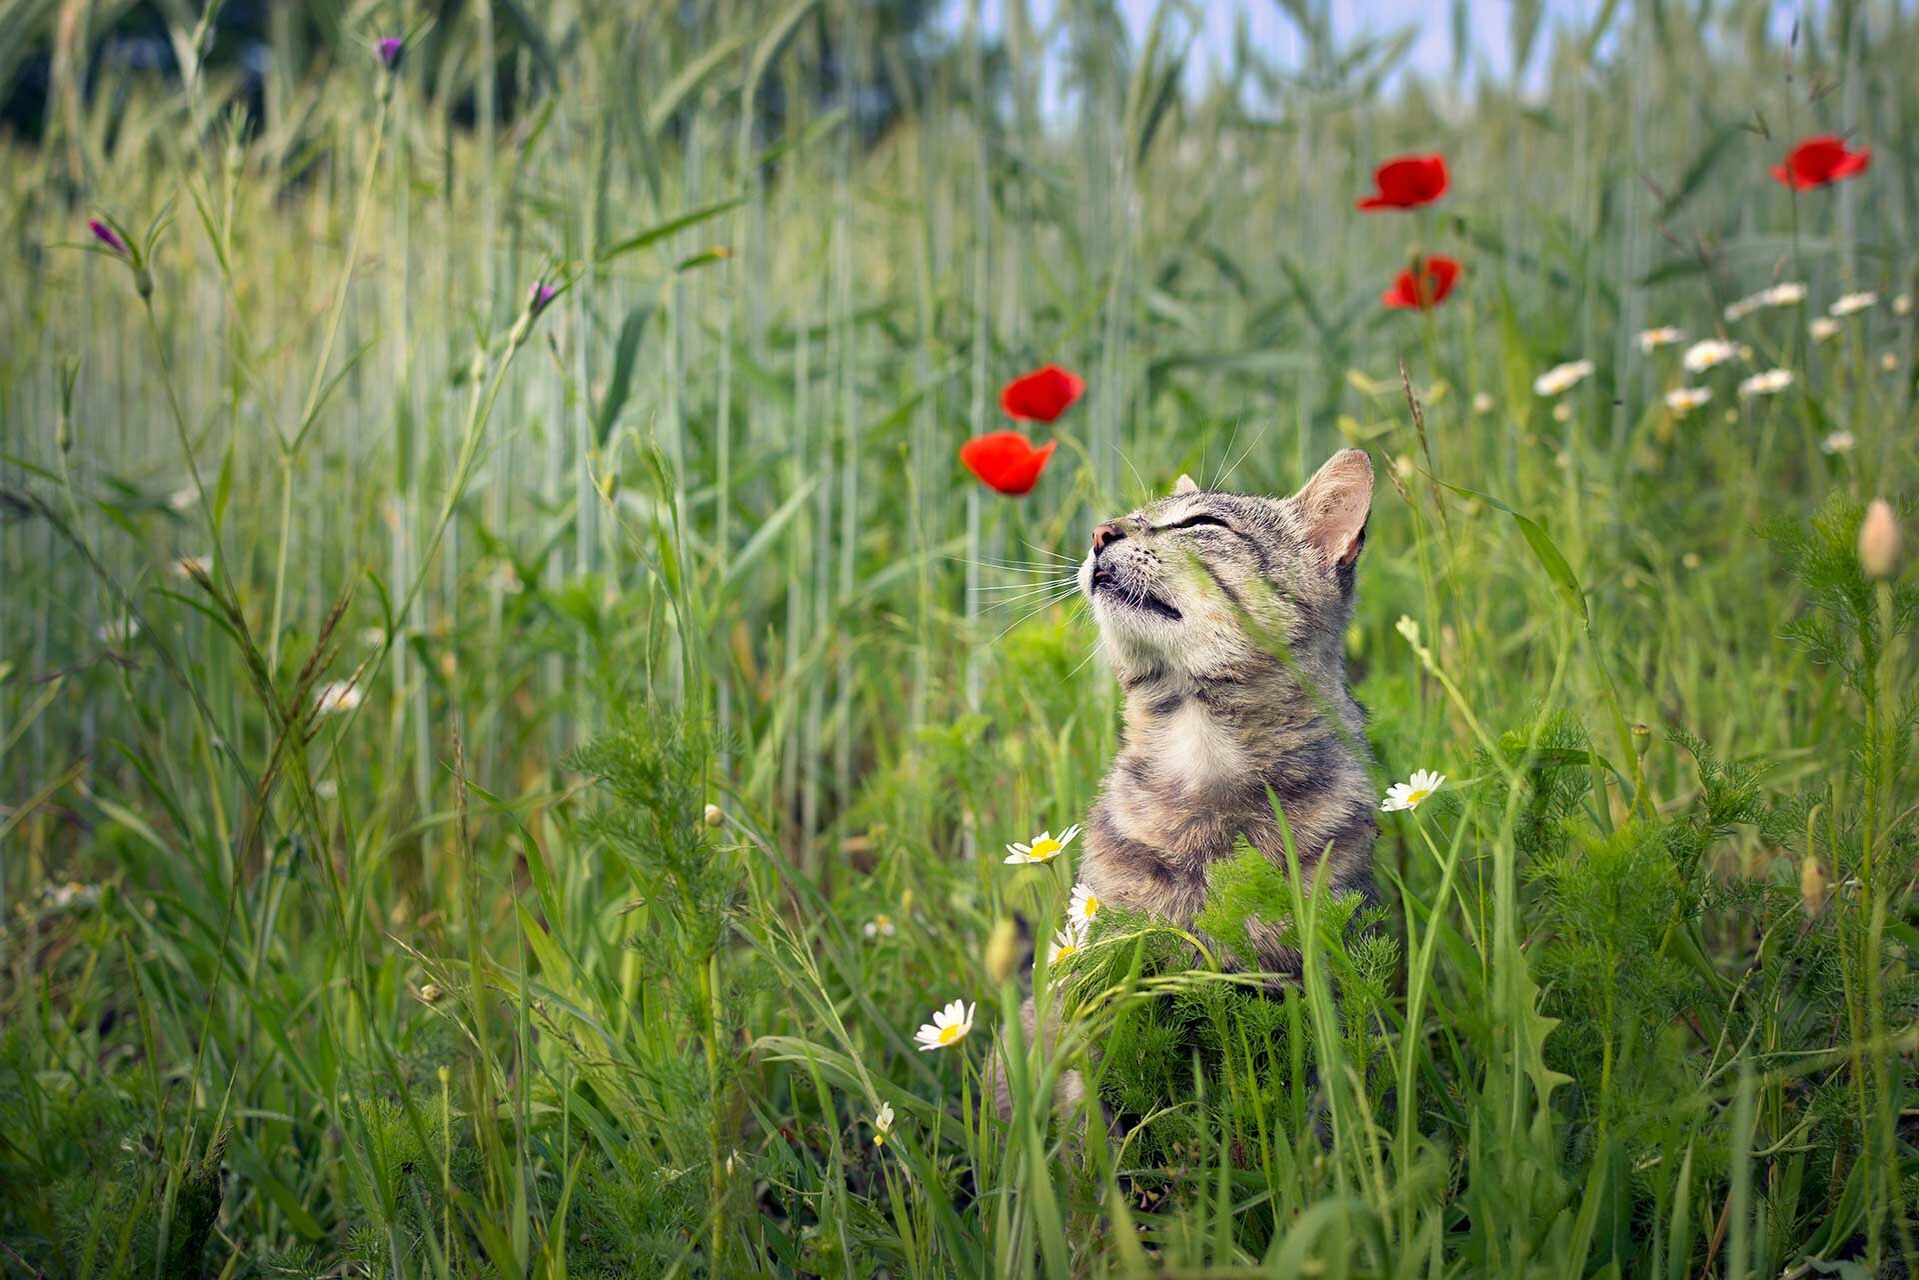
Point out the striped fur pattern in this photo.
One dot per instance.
(1224, 617)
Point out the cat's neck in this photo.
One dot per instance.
(1216, 738)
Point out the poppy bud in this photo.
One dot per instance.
(1002, 951)
(1812, 885)
(714, 816)
(1641, 739)
(1879, 540)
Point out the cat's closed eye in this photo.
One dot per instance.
(1197, 521)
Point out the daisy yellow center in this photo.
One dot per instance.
(1065, 951)
(1044, 849)
(1414, 797)
(1092, 906)
(951, 1032)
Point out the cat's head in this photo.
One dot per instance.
(1209, 585)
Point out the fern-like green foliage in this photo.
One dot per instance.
(1231, 1056)
(1840, 628)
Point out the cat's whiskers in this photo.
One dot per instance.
(1227, 474)
(1047, 551)
(1044, 599)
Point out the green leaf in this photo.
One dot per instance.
(691, 77)
(625, 351)
(1542, 546)
(653, 235)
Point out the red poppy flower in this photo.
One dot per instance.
(1407, 183)
(1817, 161)
(1006, 460)
(1041, 395)
(1428, 289)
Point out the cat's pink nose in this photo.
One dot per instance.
(1104, 534)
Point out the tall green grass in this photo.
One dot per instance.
(463, 979)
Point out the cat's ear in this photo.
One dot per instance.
(1334, 505)
(1184, 485)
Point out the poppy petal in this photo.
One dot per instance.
(1435, 279)
(1042, 395)
(1006, 461)
(1816, 161)
(1407, 182)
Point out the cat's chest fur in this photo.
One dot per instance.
(1198, 772)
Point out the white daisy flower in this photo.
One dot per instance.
(1701, 356)
(1483, 403)
(1045, 847)
(1408, 794)
(326, 788)
(1683, 400)
(1852, 302)
(71, 894)
(882, 1124)
(1067, 942)
(1561, 377)
(1664, 336)
(1823, 328)
(1787, 294)
(181, 499)
(336, 698)
(1837, 442)
(507, 579)
(1902, 304)
(880, 926)
(1084, 906)
(948, 1027)
(1769, 383)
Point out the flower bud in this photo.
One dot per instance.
(1641, 739)
(1002, 951)
(714, 816)
(1879, 540)
(107, 236)
(1812, 885)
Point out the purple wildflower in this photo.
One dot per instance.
(107, 236)
(390, 47)
(542, 294)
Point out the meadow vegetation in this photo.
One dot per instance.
(512, 709)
